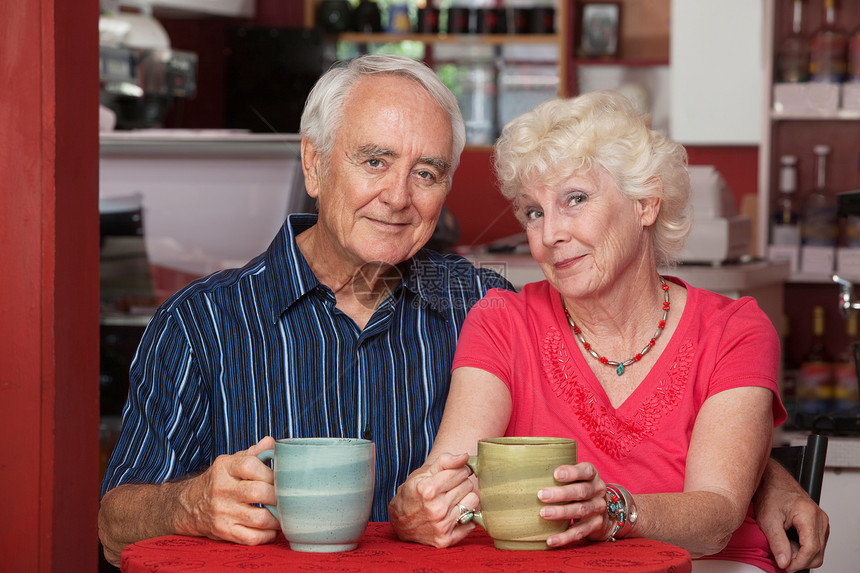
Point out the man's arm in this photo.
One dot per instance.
(780, 504)
(215, 504)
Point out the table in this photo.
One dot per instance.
(380, 550)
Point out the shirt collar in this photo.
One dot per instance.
(429, 276)
(290, 277)
(288, 274)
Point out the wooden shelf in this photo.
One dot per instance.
(622, 62)
(838, 115)
(228, 8)
(485, 39)
(820, 278)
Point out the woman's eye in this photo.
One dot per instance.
(576, 199)
(533, 214)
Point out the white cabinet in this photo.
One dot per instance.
(717, 71)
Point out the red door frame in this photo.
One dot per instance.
(49, 285)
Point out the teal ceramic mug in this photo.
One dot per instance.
(324, 488)
(510, 473)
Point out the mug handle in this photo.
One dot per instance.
(265, 457)
(477, 516)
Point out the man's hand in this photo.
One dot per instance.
(780, 504)
(220, 502)
(217, 503)
(425, 508)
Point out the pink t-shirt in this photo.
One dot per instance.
(524, 339)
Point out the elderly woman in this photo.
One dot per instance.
(670, 390)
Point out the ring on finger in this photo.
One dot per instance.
(465, 514)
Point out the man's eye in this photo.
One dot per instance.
(374, 162)
(424, 174)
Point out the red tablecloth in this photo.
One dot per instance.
(380, 550)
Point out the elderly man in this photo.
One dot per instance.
(345, 326)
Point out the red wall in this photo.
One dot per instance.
(738, 164)
(49, 305)
(483, 214)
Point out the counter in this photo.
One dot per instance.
(729, 279)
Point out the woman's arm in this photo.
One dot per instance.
(425, 507)
(728, 451)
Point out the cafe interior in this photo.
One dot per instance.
(190, 165)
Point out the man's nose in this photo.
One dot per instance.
(396, 192)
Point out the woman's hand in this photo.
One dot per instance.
(583, 501)
(426, 507)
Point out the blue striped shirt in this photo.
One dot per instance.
(262, 350)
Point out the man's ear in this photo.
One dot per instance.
(311, 167)
(649, 207)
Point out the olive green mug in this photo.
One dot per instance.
(510, 473)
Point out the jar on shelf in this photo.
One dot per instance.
(528, 75)
(334, 16)
(470, 72)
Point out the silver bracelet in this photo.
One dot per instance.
(620, 507)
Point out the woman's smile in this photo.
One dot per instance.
(568, 263)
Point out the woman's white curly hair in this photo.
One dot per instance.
(600, 129)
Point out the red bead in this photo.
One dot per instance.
(603, 359)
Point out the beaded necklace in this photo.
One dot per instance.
(621, 366)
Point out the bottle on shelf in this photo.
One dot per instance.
(849, 217)
(398, 18)
(846, 391)
(828, 49)
(790, 374)
(793, 54)
(815, 382)
(819, 206)
(853, 74)
(785, 229)
(367, 18)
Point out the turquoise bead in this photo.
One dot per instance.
(620, 369)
